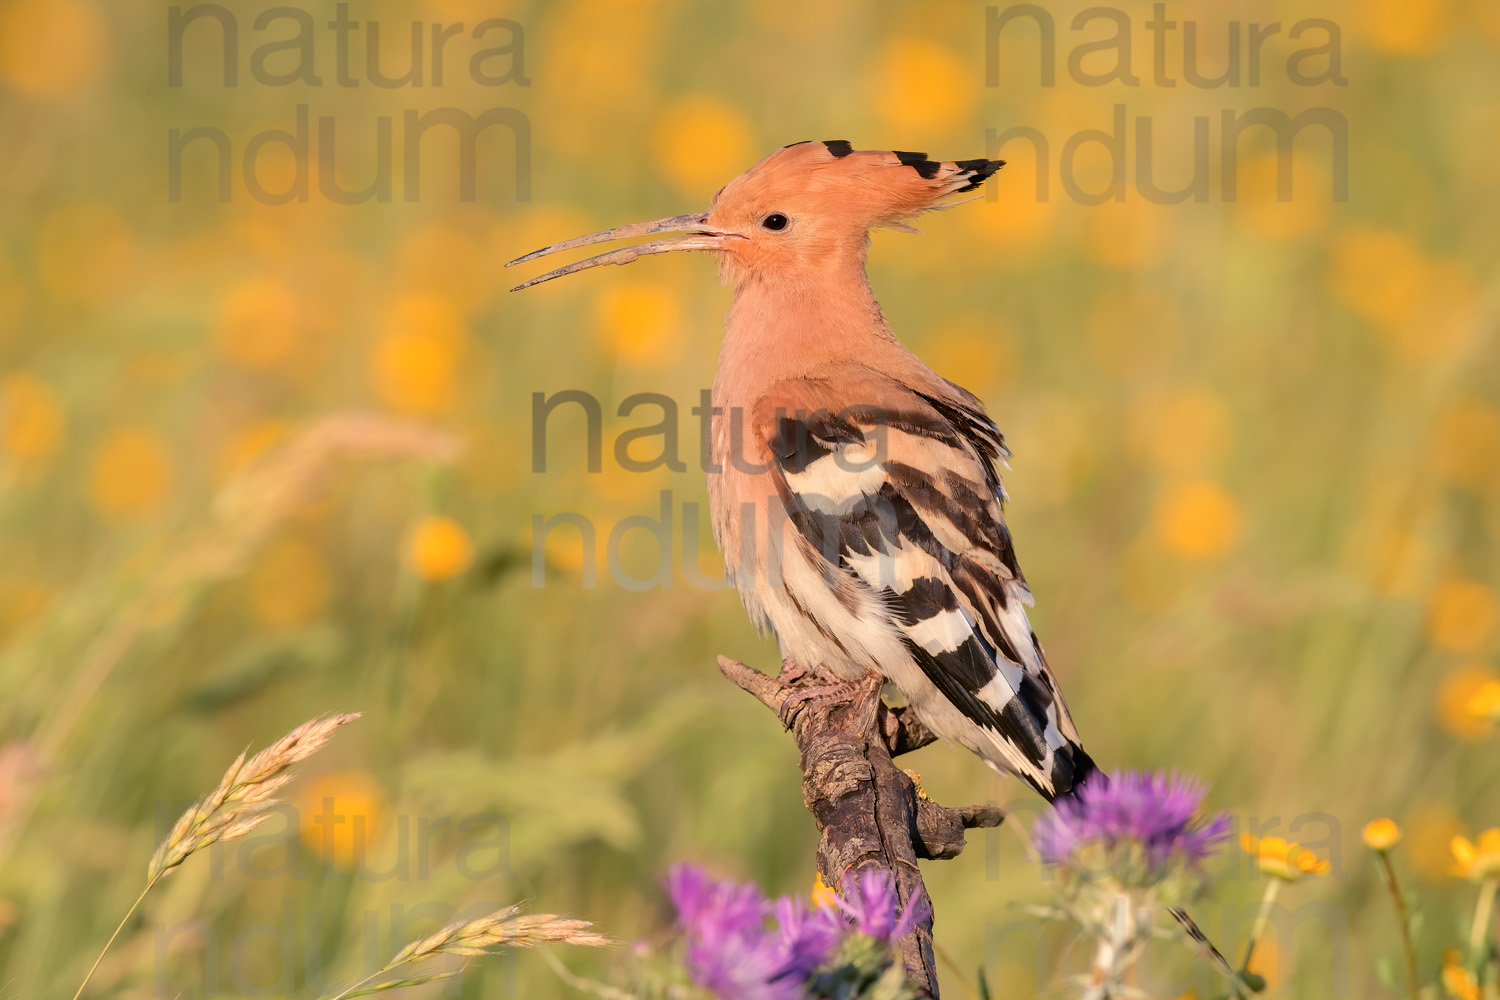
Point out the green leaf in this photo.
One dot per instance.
(984, 985)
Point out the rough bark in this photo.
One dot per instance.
(869, 812)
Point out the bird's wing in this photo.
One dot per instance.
(898, 489)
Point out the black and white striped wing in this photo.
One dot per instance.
(903, 498)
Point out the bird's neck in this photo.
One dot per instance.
(792, 325)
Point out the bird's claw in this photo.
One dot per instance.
(830, 692)
(791, 673)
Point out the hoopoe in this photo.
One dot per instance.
(854, 491)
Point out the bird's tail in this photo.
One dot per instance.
(1085, 773)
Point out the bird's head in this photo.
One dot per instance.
(795, 214)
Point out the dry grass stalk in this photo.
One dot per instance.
(507, 928)
(231, 810)
(247, 790)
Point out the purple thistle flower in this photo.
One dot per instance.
(805, 936)
(1157, 810)
(732, 952)
(718, 907)
(873, 906)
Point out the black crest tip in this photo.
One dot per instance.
(925, 168)
(980, 170)
(840, 148)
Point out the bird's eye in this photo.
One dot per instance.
(775, 222)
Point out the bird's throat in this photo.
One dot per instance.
(790, 325)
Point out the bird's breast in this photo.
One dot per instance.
(741, 489)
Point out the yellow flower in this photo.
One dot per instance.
(260, 323)
(1404, 29)
(919, 84)
(1283, 859)
(1457, 692)
(342, 816)
(53, 49)
(131, 474)
(640, 323)
(822, 896)
(417, 364)
(1418, 302)
(1485, 702)
(1378, 273)
(439, 549)
(1381, 834)
(1478, 861)
(1458, 981)
(1461, 615)
(700, 141)
(1199, 519)
(31, 418)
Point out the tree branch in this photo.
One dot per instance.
(869, 811)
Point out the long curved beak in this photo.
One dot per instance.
(698, 238)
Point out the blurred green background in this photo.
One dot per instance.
(1255, 485)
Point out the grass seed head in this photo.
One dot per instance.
(248, 789)
(508, 928)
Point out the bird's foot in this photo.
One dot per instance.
(793, 673)
(829, 693)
